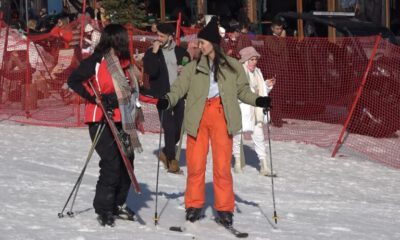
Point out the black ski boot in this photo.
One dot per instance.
(193, 214)
(106, 218)
(124, 213)
(225, 218)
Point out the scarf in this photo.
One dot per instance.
(127, 98)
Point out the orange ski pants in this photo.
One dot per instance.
(212, 128)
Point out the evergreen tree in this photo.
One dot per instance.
(125, 11)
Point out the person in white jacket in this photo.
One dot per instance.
(253, 118)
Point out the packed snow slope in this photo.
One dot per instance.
(317, 197)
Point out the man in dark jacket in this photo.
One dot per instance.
(163, 62)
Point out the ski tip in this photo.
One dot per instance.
(176, 229)
(180, 172)
(242, 235)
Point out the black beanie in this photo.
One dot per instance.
(210, 32)
(166, 28)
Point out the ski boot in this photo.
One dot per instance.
(225, 218)
(193, 214)
(106, 218)
(125, 213)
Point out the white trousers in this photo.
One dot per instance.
(259, 143)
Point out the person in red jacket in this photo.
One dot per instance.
(110, 60)
(62, 31)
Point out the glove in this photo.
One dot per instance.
(264, 102)
(110, 101)
(162, 104)
(91, 99)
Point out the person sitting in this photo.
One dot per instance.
(43, 21)
(62, 31)
(92, 39)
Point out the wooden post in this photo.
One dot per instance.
(387, 13)
(300, 26)
(162, 10)
(200, 7)
(252, 10)
(331, 30)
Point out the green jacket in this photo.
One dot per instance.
(194, 81)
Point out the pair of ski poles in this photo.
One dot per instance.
(100, 130)
(78, 182)
(266, 112)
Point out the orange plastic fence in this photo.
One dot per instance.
(316, 84)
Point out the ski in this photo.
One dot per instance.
(182, 228)
(118, 139)
(177, 228)
(232, 230)
(180, 172)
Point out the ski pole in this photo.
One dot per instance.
(95, 140)
(158, 169)
(266, 112)
(75, 189)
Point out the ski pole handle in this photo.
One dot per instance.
(266, 110)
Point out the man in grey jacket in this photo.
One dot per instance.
(163, 62)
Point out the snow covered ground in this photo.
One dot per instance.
(317, 197)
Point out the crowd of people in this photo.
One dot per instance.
(213, 95)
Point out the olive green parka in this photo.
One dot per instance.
(194, 82)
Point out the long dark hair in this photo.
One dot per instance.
(114, 36)
(219, 54)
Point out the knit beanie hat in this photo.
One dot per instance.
(210, 32)
(247, 53)
(166, 28)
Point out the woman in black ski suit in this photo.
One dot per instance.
(114, 182)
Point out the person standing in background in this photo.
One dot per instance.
(253, 118)
(163, 62)
(62, 31)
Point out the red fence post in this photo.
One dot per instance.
(178, 30)
(129, 27)
(28, 98)
(359, 91)
(83, 22)
(4, 52)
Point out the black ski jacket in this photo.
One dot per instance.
(155, 66)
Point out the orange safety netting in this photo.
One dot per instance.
(316, 84)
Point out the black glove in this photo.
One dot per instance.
(162, 104)
(110, 101)
(264, 102)
(91, 99)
